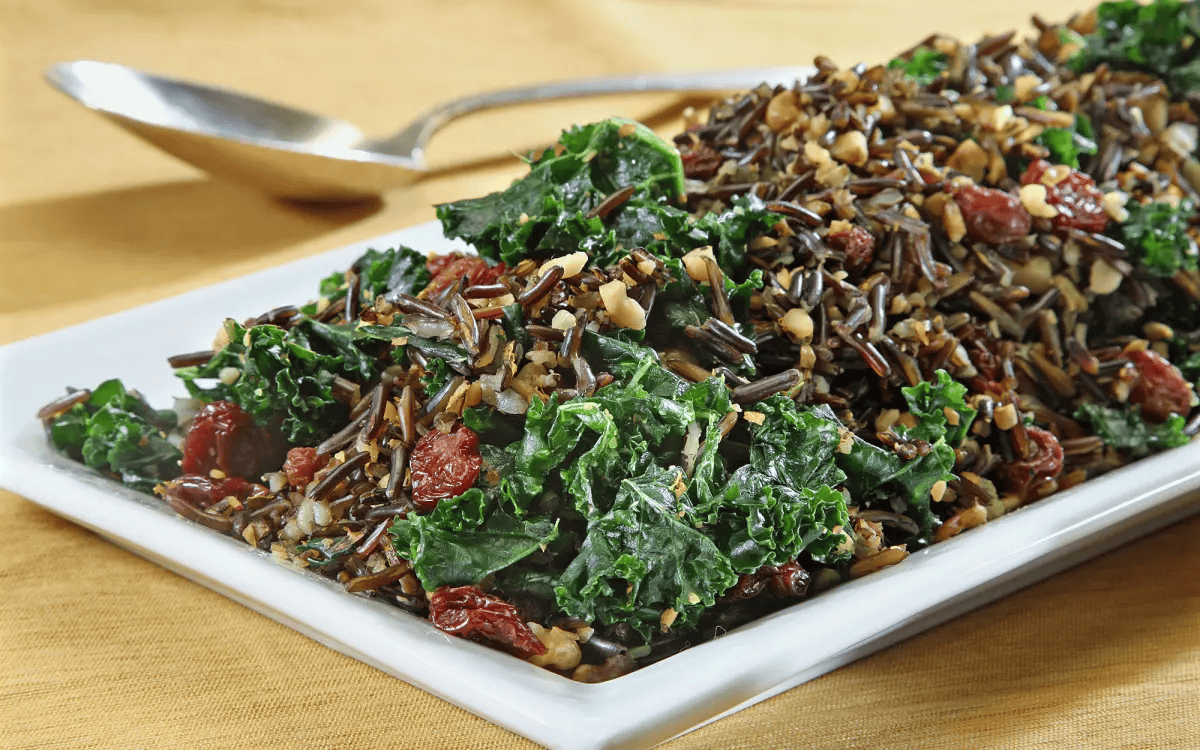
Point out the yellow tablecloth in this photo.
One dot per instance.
(99, 648)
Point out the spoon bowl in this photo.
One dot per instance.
(300, 155)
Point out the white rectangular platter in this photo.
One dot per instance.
(636, 711)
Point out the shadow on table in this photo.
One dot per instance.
(139, 236)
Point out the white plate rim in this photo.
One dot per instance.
(652, 705)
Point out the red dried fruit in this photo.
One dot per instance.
(788, 581)
(700, 161)
(749, 585)
(443, 465)
(1079, 202)
(991, 215)
(300, 466)
(857, 243)
(1161, 390)
(435, 264)
(467, 612)
(1045, 461)
(452, 267)
(225, 437)
(202, 491)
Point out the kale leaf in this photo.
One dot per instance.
(924, 65)
(1066, 144)
(1161, 37)
(467, 538)
(549, 211)
(546, 212)
(117, 431)
(768, 524)
(641, 564)
(1156, 233)
(279, 379)
(928, 402)
(1125, 429)
(398, 269)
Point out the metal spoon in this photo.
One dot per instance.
(296, 154)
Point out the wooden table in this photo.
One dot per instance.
(101, 649)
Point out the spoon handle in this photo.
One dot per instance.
(410, 142)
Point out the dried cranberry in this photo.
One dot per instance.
(467, 612)
(225, 437)
(443, 465)
(452, 267)
(202, 491)
(300, 466)
(788, 581)
(1045, 461)
(1079, 202)
(985, 362)
(700, 161)
(992, 215)
(749, 585)
(435, 264)
(1160, 389)
(857, 243)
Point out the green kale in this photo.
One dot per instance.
(682, 302)
(467, 538)
(768, 524)
(1066, 144)
(399, 269)
(1156, 233)
(873, 472)
(549, 211)
(795, 447)
(116, 431)
(929, 401)
(641, 564)
(329, 550)
(1124, 429)
(546, 212)
(924, 65)
(280, 380)
(1161, 37)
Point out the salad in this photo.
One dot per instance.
(687, 384)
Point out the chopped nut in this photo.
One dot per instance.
(1005, 417)
(938, 490)
(614, 294)
(1114, 205)
(886, 419)
(815, 154)
(563, 320)
(885, 557)
(1104, 278)
(1055, 175)
(952, 222)
(627, 130)
(851, 148)
(782, 111)
(755, 417)
(951, 416)
(969, 159)
(1033, 199)
(1156, 331)
(694, 263)
(667, 619)
(798, 323)
(572, 264)
(562, 648)
(974, 516)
